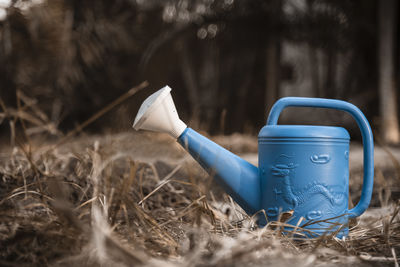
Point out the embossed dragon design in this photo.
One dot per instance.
(297, 198)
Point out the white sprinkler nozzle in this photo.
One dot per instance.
(158, 113)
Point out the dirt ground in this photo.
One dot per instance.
(139, 199)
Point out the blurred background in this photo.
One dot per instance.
(227, 61)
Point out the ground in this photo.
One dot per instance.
(139, 199)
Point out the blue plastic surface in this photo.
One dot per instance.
(366, 132)
(304, 169)
(309, 175)
(238, 177)
(301, 131)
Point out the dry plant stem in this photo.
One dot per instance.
(297, 226)
(38, 173)
(32, 103)
(23, 192)
(22, 121)
(164, 235)
(377, 259)
(395, 212)
(396, 263)
(103, 111)
(126, 185)
(11, 122)
(40, 122)
(141, 183)
(185, 211)
(162, 183)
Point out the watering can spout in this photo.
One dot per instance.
(158, 114)
(238, 177)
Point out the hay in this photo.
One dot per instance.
(85, 205)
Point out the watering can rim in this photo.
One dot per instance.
(307, 131)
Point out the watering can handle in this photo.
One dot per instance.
(363, 124)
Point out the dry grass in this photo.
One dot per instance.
(91, 207)
(111, 201)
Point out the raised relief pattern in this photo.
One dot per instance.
(299, 197)
(320, 159)
(277, 192)
(314, 215)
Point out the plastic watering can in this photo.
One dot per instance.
(302, 169)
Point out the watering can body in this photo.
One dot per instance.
(303, 170)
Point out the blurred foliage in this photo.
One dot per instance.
(76, 56)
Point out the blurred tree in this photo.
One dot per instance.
(387, 84)
(227, 60)
(273, 61)
(73, 56)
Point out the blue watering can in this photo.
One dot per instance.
(302, 169)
